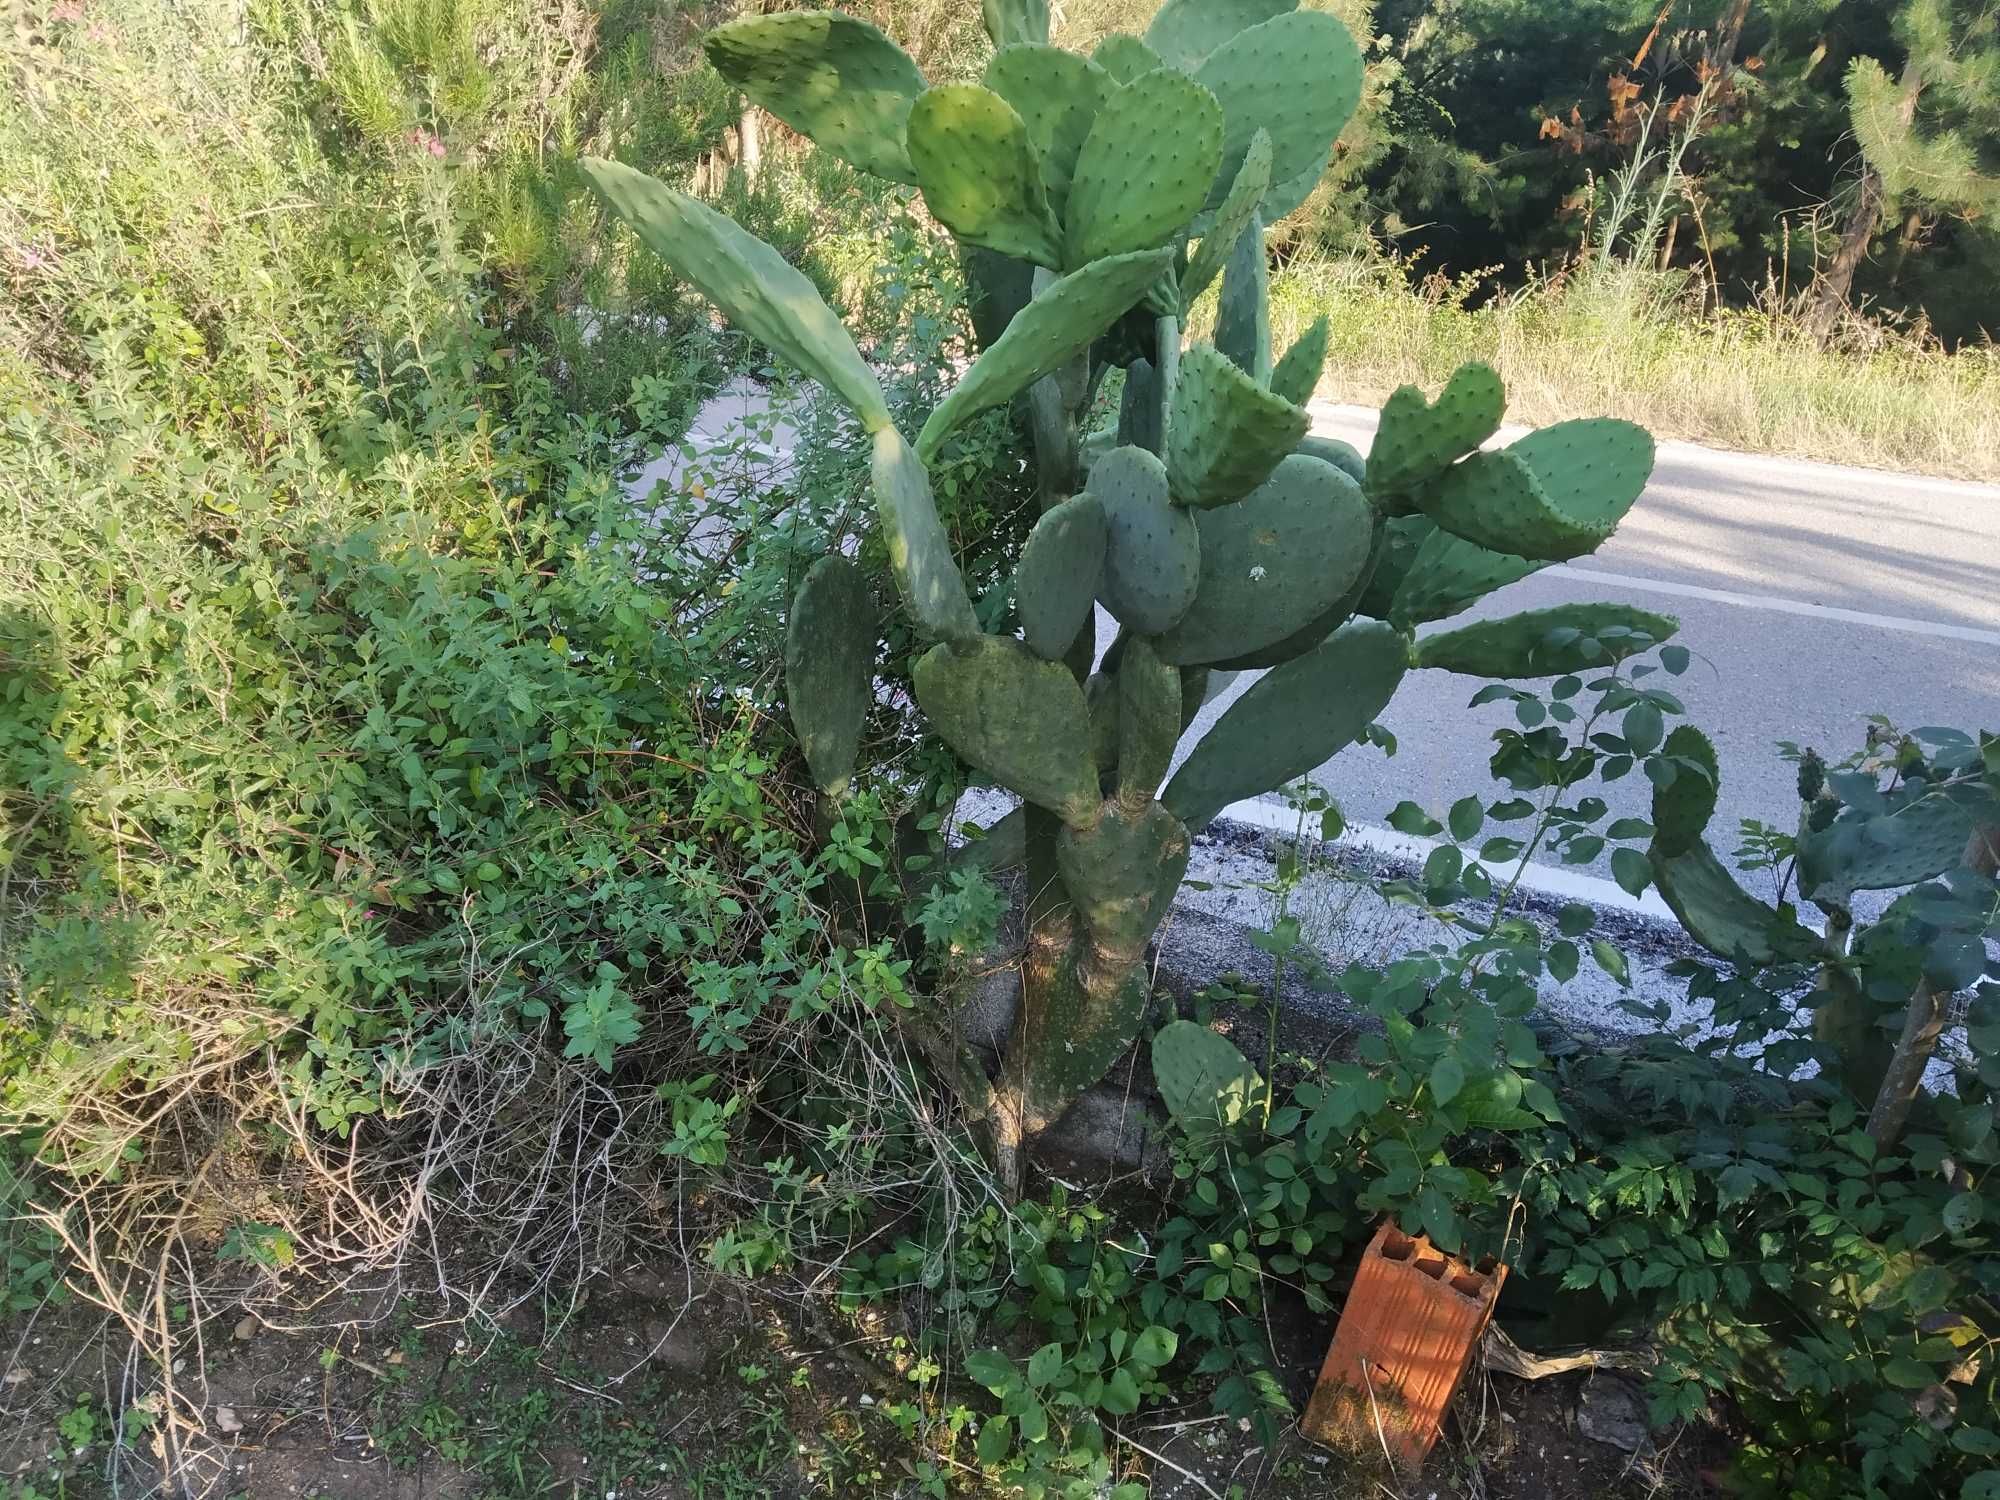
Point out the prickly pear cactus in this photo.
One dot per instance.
(1094, 199)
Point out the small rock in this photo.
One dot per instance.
(17, 1375)
(1612, 1411)
(226, 1421)
(246, 1327)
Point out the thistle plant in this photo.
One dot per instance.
(1094, 199)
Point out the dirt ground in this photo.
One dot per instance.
(644, 1392)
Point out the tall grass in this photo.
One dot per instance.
(1623, 345)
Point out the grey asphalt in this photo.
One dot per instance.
(1811, 595)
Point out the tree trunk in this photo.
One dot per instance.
(1923, 1023)
(1830, 299)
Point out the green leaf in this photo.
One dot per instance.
(1466, 817)
(996, 1440)
(1447, 1078)
(1611, 961)
(1407, 817)
(1962, 1212)
(1907, 1374)
(1121, 1394)
(991, 1369)
(1631, 870)
(1155, 1346)
(1044, 1365)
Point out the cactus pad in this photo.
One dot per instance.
(1203, 1079)
(1149, 720)
(1139, 409)
(1152, 549)
(1546, 642)
(1145, 168)
(1225, 432)
(1591, 471)
(919, 551)
(1296, 376)
(979, 173)
(1122, 870)
(1243, 312)
(1922, 835)
(1226, 225)
(1185, 32)
(1047, 334)
(1293, 718)
(746, 278)
(1014, 22)
(1418, 440)
(1556, 494)
(1273, 562)
(1297, 75)
(1343, 456)
(828, 76)
(1125, 57)
(1682, 808)
(1723, 917)
(1057, 95)
(1055, 586)
(1017, 718)
(1449, 574)
(830, 668)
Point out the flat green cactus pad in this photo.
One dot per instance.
(1125, 57)
(1396, 548)
(1297, 75)
(1145, 168)
(1921, 836)
(1225, 432)
(1723, 917)
(828, 76)
(1448, 574)
(1017, 718)
(980, 176)
(1554, 495)
(1682, 807)
(1013, 22)
(1296, 376)
(1286, 196)
(1048, 333)
(1343, 456)
(1243, 311)
(1149, 719)
(1221, 230)
(1185, 32)
(746, 278)
(1273, 562)
(926, 574)
(1122, 870)
(830, 668)
(1152, 549)
(1292, 719)
(1055, 587)
(1546, 642)
(1057, 95)
(1418, 440)
(1591, 471)
(1204, 1079)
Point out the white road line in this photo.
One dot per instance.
(1782, 606)
(1548, 880)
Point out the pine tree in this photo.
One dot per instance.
(1929, 139)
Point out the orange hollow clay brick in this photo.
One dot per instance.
(1411, 1322)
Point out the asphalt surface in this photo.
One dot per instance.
(1811, 595)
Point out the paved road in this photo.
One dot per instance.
(1812, 596)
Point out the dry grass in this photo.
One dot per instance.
(1742, 380)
